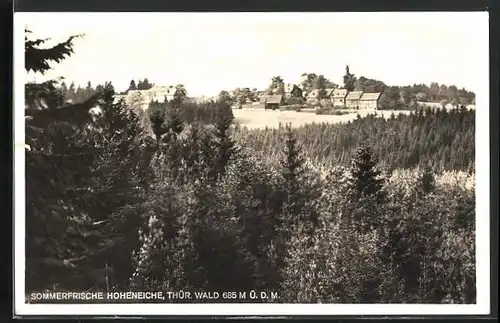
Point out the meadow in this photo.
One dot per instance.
(259, 118)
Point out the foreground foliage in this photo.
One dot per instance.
(350, 234)
(195, 208)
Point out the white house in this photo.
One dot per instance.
(369, 100)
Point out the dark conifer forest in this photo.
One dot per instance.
(373, 211)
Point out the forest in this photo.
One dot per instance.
(441, 139)
(374, 211)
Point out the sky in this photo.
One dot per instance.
(210, 52)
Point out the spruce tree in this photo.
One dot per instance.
(224, 144)
(173, 122)
(132, 86)
(60, 233)
(349, 80)
(292, 168)
(88, 90)
(366, 192)
(365, 177)
(120, 147)
(157, 117)
(38, 60)
(427, 181)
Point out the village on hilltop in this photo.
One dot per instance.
(315, 91)
(337, 97)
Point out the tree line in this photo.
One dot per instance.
(402, 97)
(441, 138)
(77, 94)
(140, 85)
(393, 97)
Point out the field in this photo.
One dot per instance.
(259, 118)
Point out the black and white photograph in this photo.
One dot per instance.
(273, 163)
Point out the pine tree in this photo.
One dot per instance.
(179, 96)
(366, 178)
(60, 234)
(157, 117)
(79, 95)
(224, 144)
(38, 59)
(132, 86)
(173, 122)
(292, 168)
(300, 187)
(143, 85)
(118, 175)
(88, 90)
(64, 90)
(349, 80)
(427, 181)
(146, 84)
(366, 191)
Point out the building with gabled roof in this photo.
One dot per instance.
(273, 101)
(369, 100)
(338, 97)
(352, 99)
(291, 89)
(144, 97)
(313, 96)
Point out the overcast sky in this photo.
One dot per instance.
(208, 52)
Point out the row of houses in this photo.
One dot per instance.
(337, 97)
(347, 99)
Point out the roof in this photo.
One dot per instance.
(170, 90)
(166, 90)
(274, 99)
(131, 92)
(157, 88)
(263, 97)
(339, 93)
(354, 95)
(370, 96)
(155, 91)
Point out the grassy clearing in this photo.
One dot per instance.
(259, 118)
